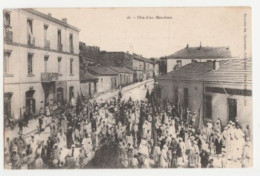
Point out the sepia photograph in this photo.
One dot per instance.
(133, 87)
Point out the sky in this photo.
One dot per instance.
(120, 29)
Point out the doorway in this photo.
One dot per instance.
(232, 109)
(30, 101)
(60, 95)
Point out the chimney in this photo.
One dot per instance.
(49, 14)
(64, 20)
(215, 65)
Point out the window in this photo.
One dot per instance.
(30, 32)
(186, 97)
(60, 97)
(6, 61)
(179, 63)
(46, 37)
(71, 43)
(45, 31)
(71, 66)
(208, 107)
(59, 40)
(30, 63)
(59, 65)
(232, 109)
(7, 19)
(193, 61)
(46, 58)
(95, 87)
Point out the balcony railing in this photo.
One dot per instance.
(47, 44)
(8, 36)
(60, 47)
(31, 41)
(71, 49)
(49, 77)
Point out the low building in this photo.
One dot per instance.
(88, 84)
(196, 54)
(107, 78)
(125, 76)
(211, 89)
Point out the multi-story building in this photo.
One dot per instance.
(41, 64)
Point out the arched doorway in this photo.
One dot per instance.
(60, 95)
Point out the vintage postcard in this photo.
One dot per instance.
(127, 88)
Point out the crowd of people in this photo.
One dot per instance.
(148, 136)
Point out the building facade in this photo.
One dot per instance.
(196, 54)
(88, 84)
(47, 52)
(107, 78)
(125, 76)
(212, 90)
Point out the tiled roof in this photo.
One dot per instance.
(127, 70)
(87, 77)
(101, 71)
(190, 71)
(229, 71)
(120, 69)
(202, 53)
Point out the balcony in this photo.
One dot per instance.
(47, 44)
(60, 47)
(8, 36)
(71, 49)
(31, 41)
(49, 77)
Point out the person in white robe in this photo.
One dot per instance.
(143, 148)
(157, 155)
(164, 158)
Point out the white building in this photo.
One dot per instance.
(197, 54)
(212, 90)
(41, 62)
